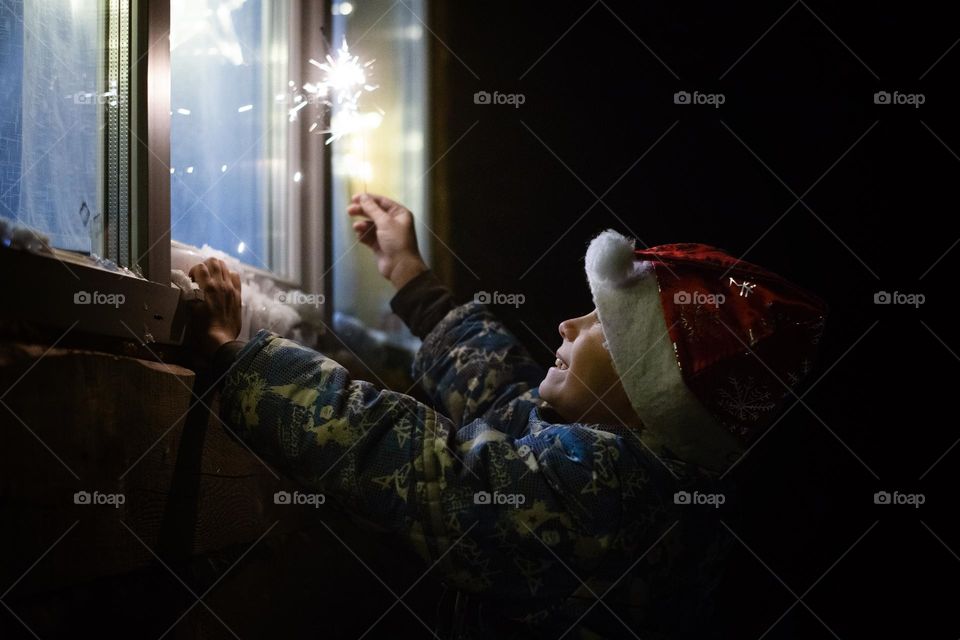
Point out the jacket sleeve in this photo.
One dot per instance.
(489, 509)
(470, 364)
(422, 303)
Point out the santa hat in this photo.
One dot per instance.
(709, 348)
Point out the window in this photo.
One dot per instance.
(52, 102)
(133, 133)
(231, 176)
(388, 156)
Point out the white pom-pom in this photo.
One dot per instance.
(610, 257)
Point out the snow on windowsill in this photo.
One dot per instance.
(268, 302)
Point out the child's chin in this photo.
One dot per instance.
(546, 389)
(551, 385)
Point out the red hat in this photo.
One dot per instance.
(708, 347)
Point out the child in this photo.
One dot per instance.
(579, 503)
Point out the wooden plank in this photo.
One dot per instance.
(88, 421)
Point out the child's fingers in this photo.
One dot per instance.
(376, 196)
(363, 228)
(372, 209)
(215, 266)
(385, 203)
(355, 210)
(200, 274)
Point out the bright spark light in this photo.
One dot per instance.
(345, 79)
(345, 76)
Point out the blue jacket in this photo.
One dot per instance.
(531, 519)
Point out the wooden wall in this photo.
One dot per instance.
(198, 514)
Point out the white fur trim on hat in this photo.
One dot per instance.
(610, 257)
(627, 296)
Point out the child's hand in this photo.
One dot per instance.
(218, 318)
(389, 232)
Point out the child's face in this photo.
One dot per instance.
(585, 387)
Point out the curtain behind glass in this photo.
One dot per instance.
(50, 122)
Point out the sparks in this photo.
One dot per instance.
(344, 80)
(345, 76)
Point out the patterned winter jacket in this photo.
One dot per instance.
(544, 528)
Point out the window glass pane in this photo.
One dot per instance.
(228, 125)
(386, 157)
(50, 119)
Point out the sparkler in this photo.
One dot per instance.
(345, 79)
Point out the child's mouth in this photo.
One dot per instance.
(560, 364)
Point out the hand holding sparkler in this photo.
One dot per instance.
(388, 230)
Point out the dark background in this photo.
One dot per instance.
(514, 207)
(879, 213)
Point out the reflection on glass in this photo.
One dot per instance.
(50, 113)
(386, 155)
(228, 125)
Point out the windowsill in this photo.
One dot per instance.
(62, 291)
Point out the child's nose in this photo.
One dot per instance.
(566, 330)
